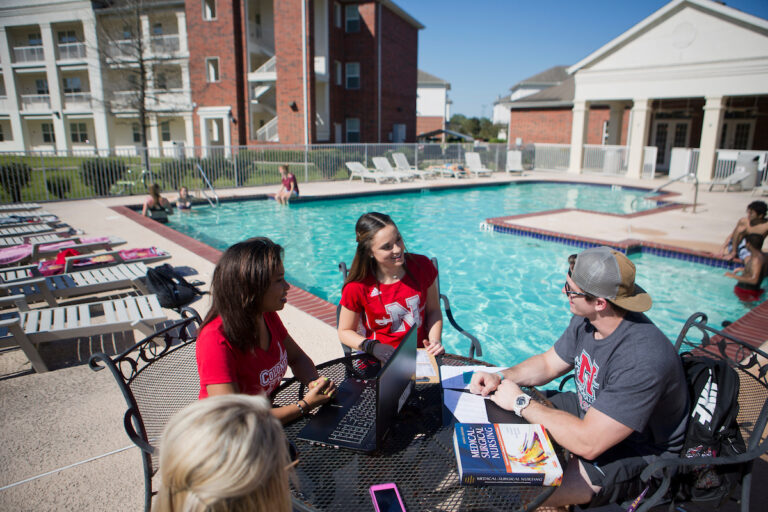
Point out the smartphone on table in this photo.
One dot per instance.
(386, 498)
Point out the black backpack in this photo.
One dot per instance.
(172, 290)
(713, 430)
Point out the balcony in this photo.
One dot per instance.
(123, 49)
(165, 44)
(267, 72)
(77, 100)
(71, 51)
(4, 106)
(321, 67)
(268, 132)
(28, 54)
(124, 100)
(35, 102)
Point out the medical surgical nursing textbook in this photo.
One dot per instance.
(505, 453)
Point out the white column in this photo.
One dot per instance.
(710, 135)
(189, 132)
(226, 123)
(638, 133)
(181, 22)
(12, 97)
(54, 88)
(154, 132)
(614, 124)
(203, 136)
(146, 34)
(578, 135)
(98, 101)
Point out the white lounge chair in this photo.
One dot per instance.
(738, 178)
(28, 229)
(401, 163)
(514, 162)
(356, 169)
(474, 165)
(74, 284)
(383, 166)
(28, 329)
(17, 207)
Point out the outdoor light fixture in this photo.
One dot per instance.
(232, 118)
(293, 106)
(57, 114)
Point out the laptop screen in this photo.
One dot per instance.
(395, 382)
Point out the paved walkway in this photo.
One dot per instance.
(67, 424)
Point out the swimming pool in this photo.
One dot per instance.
(505, 289)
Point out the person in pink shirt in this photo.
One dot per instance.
(243, 346)
(289, 187)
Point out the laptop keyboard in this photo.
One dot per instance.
(359, 420)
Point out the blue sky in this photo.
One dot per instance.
(483, 47)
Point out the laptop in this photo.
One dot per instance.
(365, 409)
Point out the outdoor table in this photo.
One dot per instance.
(417, 455)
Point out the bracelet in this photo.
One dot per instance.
(500, 374)
(303, 411)
(367, 345)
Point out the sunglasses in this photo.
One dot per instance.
(572, 293)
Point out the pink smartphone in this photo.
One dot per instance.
(386, 498)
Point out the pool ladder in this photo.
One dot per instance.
(484, 226)
(215, 201)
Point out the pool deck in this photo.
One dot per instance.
(66, 425)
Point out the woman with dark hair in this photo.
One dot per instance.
(156, 207)
(388, 291)
(243, 346)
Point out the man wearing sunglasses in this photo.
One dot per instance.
(631, 401)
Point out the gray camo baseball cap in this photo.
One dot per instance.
(607, 273)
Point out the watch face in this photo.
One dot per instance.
(520, 401)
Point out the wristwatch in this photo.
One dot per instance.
(521, 402)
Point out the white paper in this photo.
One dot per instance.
(466, 407)
(424, 366)
(453, 377)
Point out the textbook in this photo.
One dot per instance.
(505, 453)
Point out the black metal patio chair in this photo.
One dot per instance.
(474, 344)
(157, 376)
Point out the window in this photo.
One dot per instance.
(353, 129)
(67, 36)
(398, 132)
(2, 137)
(34, 39)
(212, 68)
(136, 132)
(337, 14)
(209, 9)
(353, 75)
(127, 33)
(165, 131)
(48, 135)
(741, 137)
(41, 84)
(78, 132)
(157, 29)
(161, 82)
(72, 84)
(353, 18)
(337, 69)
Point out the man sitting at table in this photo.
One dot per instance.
(631, 403)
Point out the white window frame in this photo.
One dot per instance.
(165, 131)
(48, 133)
(337, 14)
(352, 18)
(37, 37)
(41, 86)
(157, 29)
(338, 72)
(352, 72)
(78, 132)
(209, 10)
(2, 136)
(69, 36)
(136, 133)
(351, 126)
(66, 86)
(212, 71)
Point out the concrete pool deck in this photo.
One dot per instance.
(67, 424)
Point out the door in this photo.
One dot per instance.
(667, 134)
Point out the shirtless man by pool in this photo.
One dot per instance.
(755, 223)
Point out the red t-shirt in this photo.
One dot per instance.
(290, 178)
(255, 372)
(389, 310)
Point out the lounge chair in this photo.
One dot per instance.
(356, 169)
(474, 165)
(74, 284)
(103, 259)
(28, 229)
(743, 175)
(385, 168)
(514, 162)
(28, 329)
(31, 252)
(401, 163)
(17, 207)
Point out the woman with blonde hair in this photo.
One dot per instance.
(226, 453)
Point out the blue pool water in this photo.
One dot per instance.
(505, 289)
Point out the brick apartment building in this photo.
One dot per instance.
(219, 72)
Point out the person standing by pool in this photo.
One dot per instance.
(243, 346)
(631, 404)
(751, 275)
(289, 186)
(389, 291)
(754, 222)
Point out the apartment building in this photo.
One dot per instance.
(77, 75)
(433, 108)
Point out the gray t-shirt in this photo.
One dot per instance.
(634, 376)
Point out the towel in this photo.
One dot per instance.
(15, 253)
(52, 267)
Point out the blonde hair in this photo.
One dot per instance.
(224, 453)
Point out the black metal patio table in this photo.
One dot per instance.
(417, 455)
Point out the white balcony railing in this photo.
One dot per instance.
(77, 100)
(268, 132)
(553, 157)
(265, 73)
(69, 51)
(168, 43)
(28, 54)
(124, 48)
(35, 102)
(321, 67)
(124, 99)
(605, 159)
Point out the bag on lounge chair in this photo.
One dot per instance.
(172, 290)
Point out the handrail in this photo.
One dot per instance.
(213, 191)
(679, 178)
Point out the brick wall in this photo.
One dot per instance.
(400, 41)
(361, 103)
(550, 126)
(426, 124)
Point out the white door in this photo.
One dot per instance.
(667, 134)
(337, 133)
(737, 134)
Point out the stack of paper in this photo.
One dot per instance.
(466, 407)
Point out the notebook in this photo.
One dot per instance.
(365, 409)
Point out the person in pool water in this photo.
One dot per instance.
(751, 275)
(388, 291)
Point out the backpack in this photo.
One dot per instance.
(713, 430)
(172, 290)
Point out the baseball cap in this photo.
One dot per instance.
(607, 273)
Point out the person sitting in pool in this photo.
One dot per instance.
(389, 291)
(631, 404)
(751, 275)
(184, 202)
(243, 346)
(289, 187)
(754, 222)
(156, 207)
